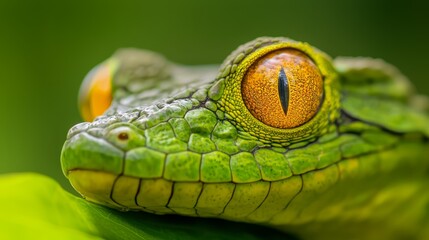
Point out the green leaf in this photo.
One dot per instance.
(33, 206)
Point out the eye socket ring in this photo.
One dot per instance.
(322, 112)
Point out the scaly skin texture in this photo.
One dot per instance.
(180, 140)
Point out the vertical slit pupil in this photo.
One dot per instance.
(284, 90)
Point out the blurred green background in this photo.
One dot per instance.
(47, 47)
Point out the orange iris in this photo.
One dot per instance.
(283, 89)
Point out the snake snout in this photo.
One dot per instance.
(85, 151)
(101, 149)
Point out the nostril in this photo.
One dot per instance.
(123, 136)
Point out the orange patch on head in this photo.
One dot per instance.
(300, 96)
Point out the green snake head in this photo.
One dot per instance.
(279, 135)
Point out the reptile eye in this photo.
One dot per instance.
(95, 94)
(283, 89)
